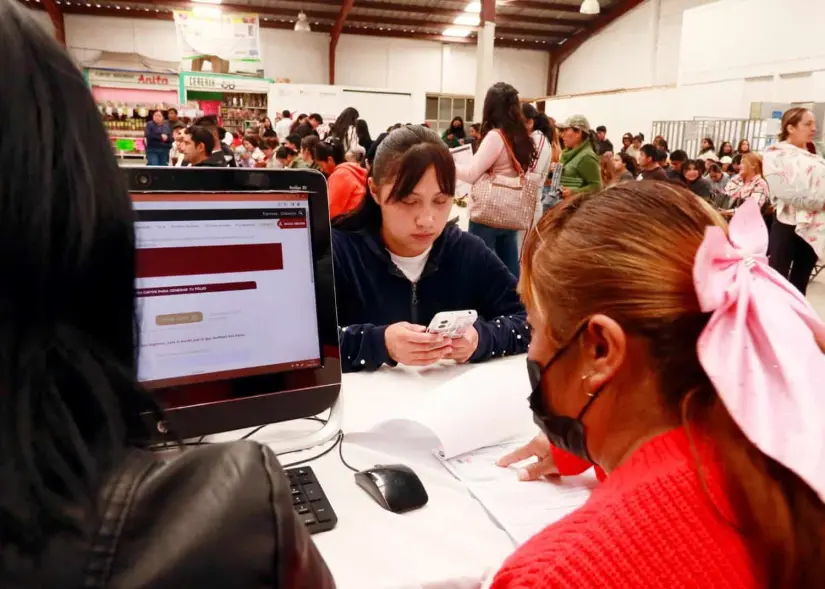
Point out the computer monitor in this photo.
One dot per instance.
(235, 296)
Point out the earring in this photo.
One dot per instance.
(584, 378)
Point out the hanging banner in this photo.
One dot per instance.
(229, 35)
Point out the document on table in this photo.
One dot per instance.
(522, 509)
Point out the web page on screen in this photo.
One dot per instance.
(225, 286)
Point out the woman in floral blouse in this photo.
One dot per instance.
(748, 184)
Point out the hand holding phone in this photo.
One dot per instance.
(452, 324)
(411, 345)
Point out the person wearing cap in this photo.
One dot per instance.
(580, 164)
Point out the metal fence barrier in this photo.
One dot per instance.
(688, 135)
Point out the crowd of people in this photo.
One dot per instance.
(661, 347)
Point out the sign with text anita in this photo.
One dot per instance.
(126, 79)
(217, 83)
(206, 30)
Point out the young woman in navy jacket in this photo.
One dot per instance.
(398, 262)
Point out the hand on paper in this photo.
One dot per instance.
(538, 447)
(411, 345)
(465, 346)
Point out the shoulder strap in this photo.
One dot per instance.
(509, 149)
(538, 152)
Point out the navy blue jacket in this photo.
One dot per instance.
(461, 273)
(153, 133)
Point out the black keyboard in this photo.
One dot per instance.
(309, 500)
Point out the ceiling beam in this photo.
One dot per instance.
(346, 7)
(538, 5)
(56, 16)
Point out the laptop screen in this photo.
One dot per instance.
(225, 286)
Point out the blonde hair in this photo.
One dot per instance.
(792, 117)
(755, 161)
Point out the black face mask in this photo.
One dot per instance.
(566, 433)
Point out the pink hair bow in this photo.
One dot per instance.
(760, 348)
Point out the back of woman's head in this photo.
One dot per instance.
(69, 402)
(607, 169)
(502, 111)
(630, 163)
(575, 265)
(362, 129)
(347, 118)
(401, 159)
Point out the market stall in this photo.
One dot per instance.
(239, 101)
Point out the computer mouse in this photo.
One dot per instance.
(394, 486)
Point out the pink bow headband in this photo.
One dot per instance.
(759, 347)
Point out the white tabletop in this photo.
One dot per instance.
(452, 537)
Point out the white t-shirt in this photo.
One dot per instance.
(413, 267)
(282, 128)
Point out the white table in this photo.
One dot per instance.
(371, 548)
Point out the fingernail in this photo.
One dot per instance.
(523, 475)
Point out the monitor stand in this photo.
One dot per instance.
(328, 432)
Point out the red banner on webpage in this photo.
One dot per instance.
(166, 291)
(161, 262)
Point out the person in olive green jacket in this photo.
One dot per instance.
(580, 171)
(454, 136)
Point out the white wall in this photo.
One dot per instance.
(373, 62)
(639, 49)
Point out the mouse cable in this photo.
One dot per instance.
(341, 454)
(339, 436)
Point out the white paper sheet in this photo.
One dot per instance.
(480, 407)
(463, 156)
(522, 509)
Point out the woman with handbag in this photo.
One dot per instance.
(504, 192)
(796, 178)
(580, 171)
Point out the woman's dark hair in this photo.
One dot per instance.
(70, 402)
(722, 149)
(710, 143)
(297, 122)
(253, 140)
(541, 123)
(691, 165)
(285, 152)
(363, 131)
(329, 148)
(345, 120)
(403, 157)
(458, 132)
(630, 163)
(502, 111)
(309, 142)
(661, 143)
(739, 146)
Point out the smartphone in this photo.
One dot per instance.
(452, 324)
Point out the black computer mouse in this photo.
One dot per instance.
(394, 486)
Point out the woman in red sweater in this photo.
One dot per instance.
(669, 354)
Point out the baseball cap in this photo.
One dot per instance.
(727, 159)
(577, 122)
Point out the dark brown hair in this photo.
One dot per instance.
(502, 112)
(792, 117)
(575, 264)
(403, 157)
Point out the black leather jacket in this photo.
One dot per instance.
(214, 517)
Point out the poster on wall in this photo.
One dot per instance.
(232, 36)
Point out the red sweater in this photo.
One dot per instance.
(648, 525)
(347, 186)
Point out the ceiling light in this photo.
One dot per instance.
(302, 24)
(474, 7)
(454, 32)
(207, 1)
(467, 20)
(590, 7)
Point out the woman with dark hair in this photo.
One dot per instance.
(670, 356)
(726, 150)
(363, 132)
(543, 135)
(692, 177)
(454, 135)
(265, 129)
(343, 128)
(743, 147)
(627, 167)
(291, 159)
(158, 138)
(505, 144)
(83, 502)
(398, 262)
(627, 142)
(708, 151)
(302, 119)
(796, 178)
